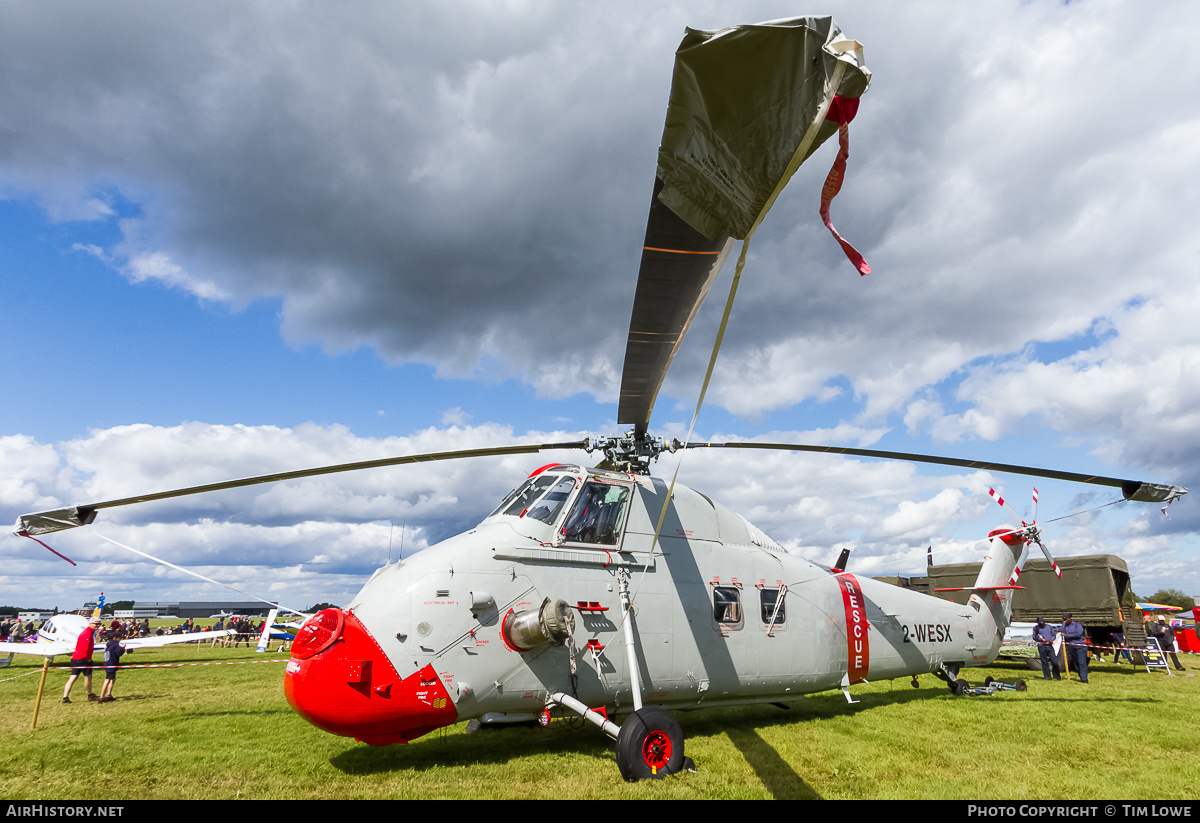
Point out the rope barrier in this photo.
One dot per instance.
(19, 676)
(1092, 647)
(141, 666)
(166, 665)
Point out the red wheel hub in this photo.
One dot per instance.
(656, 750)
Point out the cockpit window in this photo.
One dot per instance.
(524, 497)
(597, 515)
(508, 498)
(551, 504)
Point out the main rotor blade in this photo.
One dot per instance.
(679, 265)
(747, 105)
(69, 518)
(1138, 490)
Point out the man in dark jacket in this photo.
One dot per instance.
(1043, 635)
(1073, 637)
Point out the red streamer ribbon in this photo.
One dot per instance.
(841, 111)
(47, 548)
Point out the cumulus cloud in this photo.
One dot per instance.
(370, 171)
(1139, 387)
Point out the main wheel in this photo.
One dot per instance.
(959, 687)
(649, 745)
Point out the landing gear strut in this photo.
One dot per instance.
(949, 675)
(649, 742)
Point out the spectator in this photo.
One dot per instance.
(1119, 648)
(1165, 636)
(112, 659)
(81, 661)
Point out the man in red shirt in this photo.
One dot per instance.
(81, 661)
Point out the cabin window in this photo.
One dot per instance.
(768, 600)
(551, 504)
(598, 514)
(727, 605)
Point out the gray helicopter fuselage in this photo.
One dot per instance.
(708, 624)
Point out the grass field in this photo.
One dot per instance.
(226, 731)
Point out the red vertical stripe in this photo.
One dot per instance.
(858, 643)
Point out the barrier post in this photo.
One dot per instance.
(37, 704)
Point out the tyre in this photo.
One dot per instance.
(960, 687)
(649, 745)
(1021, 686)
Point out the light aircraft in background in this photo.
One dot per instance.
(59, 633)
(601, 591)
(275, 631)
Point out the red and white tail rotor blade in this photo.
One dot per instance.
(996, 496)
(1053, 562)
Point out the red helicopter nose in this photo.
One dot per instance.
(340, 680)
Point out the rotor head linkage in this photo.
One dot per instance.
(631, 452)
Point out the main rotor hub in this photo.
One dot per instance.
(631, 452)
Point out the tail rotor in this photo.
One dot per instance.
(1030, 531)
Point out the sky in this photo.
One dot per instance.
(238, 238)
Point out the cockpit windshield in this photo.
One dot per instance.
(547, 508)
(541, 497)
(597, 515)
(520, 498)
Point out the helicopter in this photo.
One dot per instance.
(605, 592)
